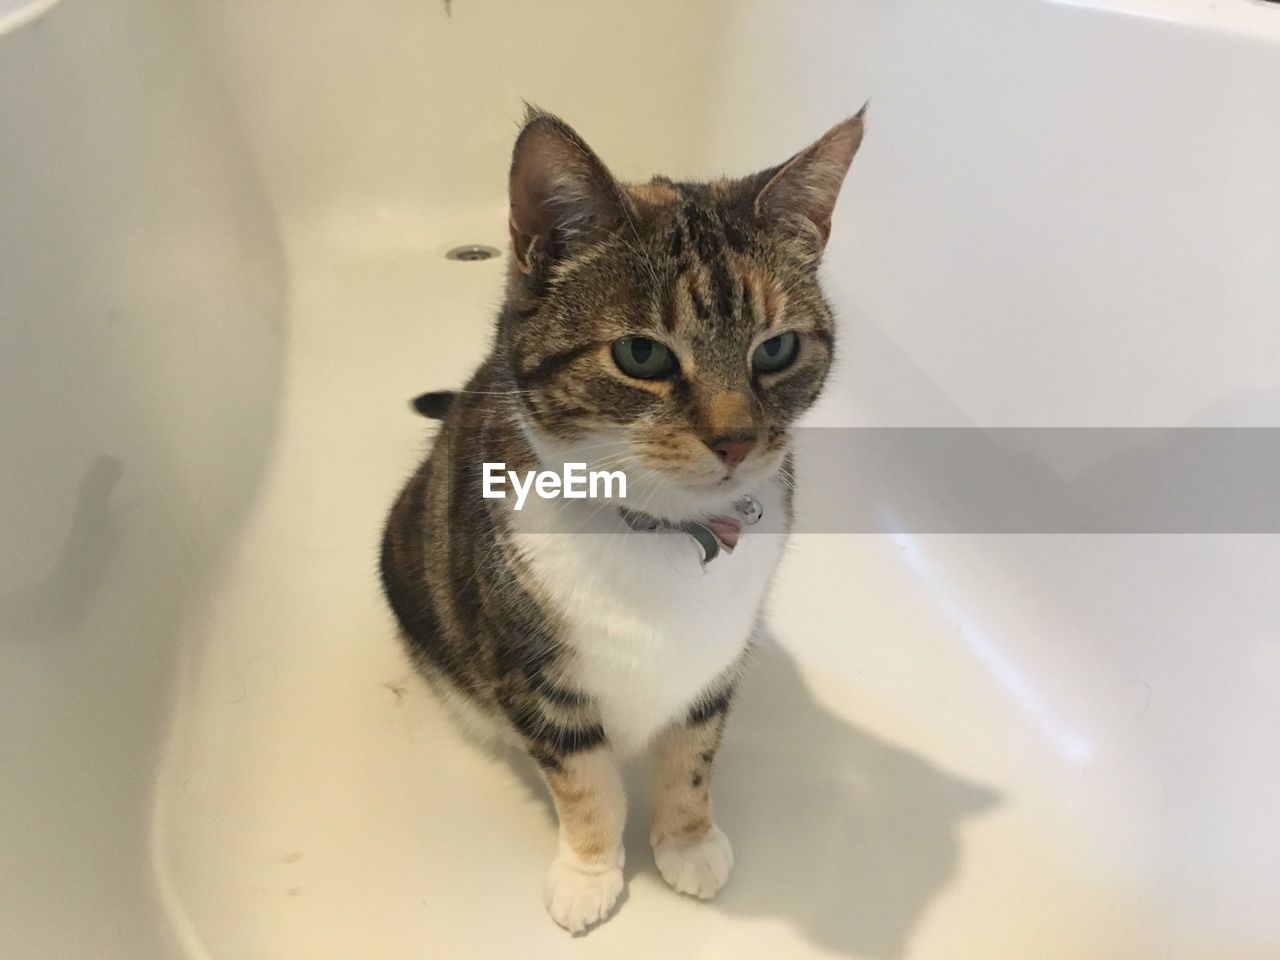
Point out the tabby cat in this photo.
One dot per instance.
(671, 330)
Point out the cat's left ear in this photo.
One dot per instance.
(802, 192)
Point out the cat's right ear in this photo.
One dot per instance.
(561, 194)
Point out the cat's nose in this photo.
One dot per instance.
(732, 452)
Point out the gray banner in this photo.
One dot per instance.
(1039, 480)
(1033, 480)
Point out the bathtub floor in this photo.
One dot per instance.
(904, 777)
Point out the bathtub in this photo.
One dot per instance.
(222, 274)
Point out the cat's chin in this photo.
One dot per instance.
(661, 493)
(693, 503)
(676, 498)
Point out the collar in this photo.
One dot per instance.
(712, 535)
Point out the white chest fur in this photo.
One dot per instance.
(648, 633)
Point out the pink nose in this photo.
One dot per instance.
(732, 452)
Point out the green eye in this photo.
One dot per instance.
(776, 353)
(643, 358)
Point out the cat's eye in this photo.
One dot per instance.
(643, 358)
(776, 353)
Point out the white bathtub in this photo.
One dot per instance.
(222, 229)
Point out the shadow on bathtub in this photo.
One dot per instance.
(844, 835)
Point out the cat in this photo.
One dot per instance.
(674, 331)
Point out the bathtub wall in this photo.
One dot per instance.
(424, 123)
(1032, 170)
(1062, 215)
(141, 297)
(411, 106)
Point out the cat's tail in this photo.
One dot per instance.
(434, 405)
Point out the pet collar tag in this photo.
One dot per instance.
(750, 509)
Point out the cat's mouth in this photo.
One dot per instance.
(661, 486)
(726, 482)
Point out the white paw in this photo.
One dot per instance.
(699, 868)
(578, 896)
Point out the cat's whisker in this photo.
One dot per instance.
(612, 444)
(496, 393)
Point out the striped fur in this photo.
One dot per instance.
(577, 646)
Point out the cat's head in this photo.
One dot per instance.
(671, 330)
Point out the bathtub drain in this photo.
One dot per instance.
(472, 251)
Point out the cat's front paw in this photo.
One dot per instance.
(698, 867)
(578, 896)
